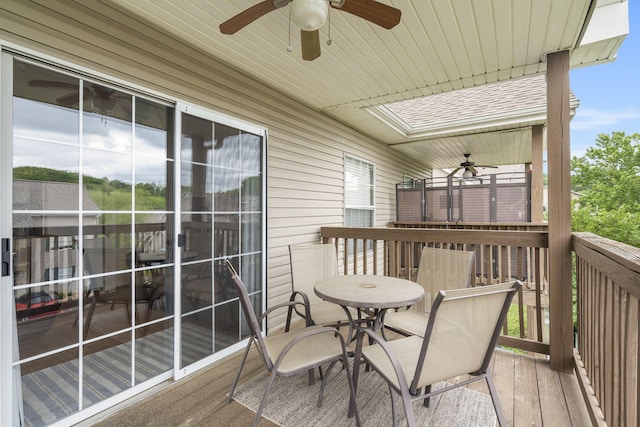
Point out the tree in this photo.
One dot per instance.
(608, 177)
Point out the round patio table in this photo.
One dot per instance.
(370, 293)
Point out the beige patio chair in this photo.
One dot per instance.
(438, 269)
(460, 338)
(291, 352)
(310, 263)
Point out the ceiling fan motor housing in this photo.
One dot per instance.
(309, 15)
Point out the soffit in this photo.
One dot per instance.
(439, 46)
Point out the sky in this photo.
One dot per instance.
(609, 93)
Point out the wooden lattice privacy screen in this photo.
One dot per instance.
(489, 198)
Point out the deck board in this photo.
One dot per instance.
(573, 397)
(530, 393)
(503, 372)
(526, 398)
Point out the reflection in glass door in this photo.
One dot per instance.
(98, 292)
(93, 216)
(222, 214)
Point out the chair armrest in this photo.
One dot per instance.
(288, 304)
(376, 339)
(315, 331)
(307, 309)
(295, 294)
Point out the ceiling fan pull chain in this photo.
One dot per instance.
(329, 35)
(289, 48)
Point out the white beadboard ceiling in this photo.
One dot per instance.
(439, 46)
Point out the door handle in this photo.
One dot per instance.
(6, 257)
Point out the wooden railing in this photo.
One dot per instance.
(608, 300)
(501, 255)
(488, 226)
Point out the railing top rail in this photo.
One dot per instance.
(627, 255)
(519, 224)
(619, 261)
(536, 239)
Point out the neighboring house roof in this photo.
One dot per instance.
(484, 121)
(51, 196)
(476, 104)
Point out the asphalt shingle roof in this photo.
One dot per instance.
(39, 195)
(503, 97)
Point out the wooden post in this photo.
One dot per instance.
(560, 268)
(537, 183)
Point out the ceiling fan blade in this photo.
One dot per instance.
(53, 83)
(473, 170)
(373, 11)
(453, 172)
(310, 44)
(486, 166)
(246, 17)
(71, 99)
(126, 108)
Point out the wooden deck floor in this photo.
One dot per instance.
(530, 392)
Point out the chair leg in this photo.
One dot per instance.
(393, 406)
(427, 400)
(494, 398)
(265, 397)
(408, 409)
(352, 389)
(151, 298)
(87, 322)
(356, 374)
(235, 381)
(324, 382)
(126, 306)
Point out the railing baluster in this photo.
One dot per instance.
(538, 286)
(345, 261)
(365, 255)
(355, 256)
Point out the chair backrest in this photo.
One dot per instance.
(310, 263)
(463, 327)
(442, 269)
(250, 315)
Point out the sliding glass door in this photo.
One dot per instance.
(113, 292)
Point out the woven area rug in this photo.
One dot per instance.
(294, 403)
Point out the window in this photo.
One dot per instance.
(359, 191)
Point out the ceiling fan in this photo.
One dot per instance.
(310, 16)
(97, 98)
(469, 167)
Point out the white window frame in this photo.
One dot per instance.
(349, 205)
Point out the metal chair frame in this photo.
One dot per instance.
(283, 361)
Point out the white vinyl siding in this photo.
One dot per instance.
(306, 149)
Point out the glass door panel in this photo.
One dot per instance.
(221, 186)
(93, 214)
(196, 180)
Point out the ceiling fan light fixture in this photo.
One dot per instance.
(467, 174)
(309, 15)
